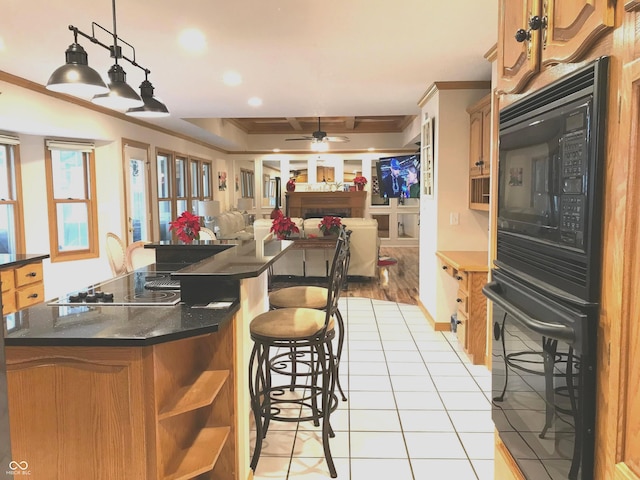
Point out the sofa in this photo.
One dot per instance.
(364, 243)
(232, 226)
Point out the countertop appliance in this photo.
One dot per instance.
(546, 285)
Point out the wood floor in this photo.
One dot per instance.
(396, 283)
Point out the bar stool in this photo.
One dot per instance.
(309, 296)
(302, 341)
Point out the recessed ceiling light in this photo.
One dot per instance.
(276, 150)
(255, 101)
(371, 149)
(192, 40)
(231, 78)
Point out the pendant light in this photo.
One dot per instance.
(153, 106)
(76, 77)
(120, 96)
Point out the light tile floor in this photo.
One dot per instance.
(416, 408)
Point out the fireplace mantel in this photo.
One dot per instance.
(317, 204)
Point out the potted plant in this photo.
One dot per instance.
(330, 225)
(186, 226)
(283, 227)
(360, 182)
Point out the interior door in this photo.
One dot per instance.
(137, 192)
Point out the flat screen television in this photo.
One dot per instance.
(399, 176)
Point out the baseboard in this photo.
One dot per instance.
(437, 326)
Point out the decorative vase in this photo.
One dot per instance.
(360, 186)
(291, 185)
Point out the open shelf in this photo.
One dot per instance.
(479, 193)
(200, 456)
(200, 393)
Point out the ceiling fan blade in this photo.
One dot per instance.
(337, 139)
(299, 138)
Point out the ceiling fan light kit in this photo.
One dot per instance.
(319, 139)
(77, 78)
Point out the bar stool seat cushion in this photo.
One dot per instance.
(289, 323)
(299, 297)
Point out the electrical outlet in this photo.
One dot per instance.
(454, 218)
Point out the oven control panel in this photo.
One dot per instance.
(573, 164)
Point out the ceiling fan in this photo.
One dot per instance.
(319, 136)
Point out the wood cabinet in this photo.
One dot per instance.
(480, 119)
(22, 286)
(469, 269)
(548, 32)
(165, 411)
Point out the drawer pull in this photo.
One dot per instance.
(444, 267)
(458, 277)
(32, 274)
(459, 300)
(33, 295)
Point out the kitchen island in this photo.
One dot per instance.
(120, 388)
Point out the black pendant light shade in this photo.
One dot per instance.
(76, 77)
(121, 96)
(152, 108)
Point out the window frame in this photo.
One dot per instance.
(56, 255)
(14, 175)
(189, 197)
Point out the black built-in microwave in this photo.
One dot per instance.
(551, 182)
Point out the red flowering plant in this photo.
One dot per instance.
(360, 180)
(186, 226)
(283, 227)
(330, 225)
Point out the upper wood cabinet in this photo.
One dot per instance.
(480, 153)
(534, 34)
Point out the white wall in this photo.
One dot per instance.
(451, 195)
(34, 117)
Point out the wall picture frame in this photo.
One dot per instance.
(427, 157)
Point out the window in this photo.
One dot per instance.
(11, 222)
(71, 192)
(182, 182)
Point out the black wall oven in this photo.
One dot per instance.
(546, 283)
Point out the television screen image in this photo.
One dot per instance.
(399, 176)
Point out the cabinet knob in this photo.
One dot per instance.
(444, 267)
(479, 163)
(458, 277)
(522, 35)
(31, 274)
(459, 300)
(33, 295)
(458, 322)
(536, 22)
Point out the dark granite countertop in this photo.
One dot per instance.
(248, 259)
(18, 259)
(50, 324)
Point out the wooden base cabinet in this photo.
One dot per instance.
(22, 286)
(469, 269)
(165, 411)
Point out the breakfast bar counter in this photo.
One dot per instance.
(122, 380)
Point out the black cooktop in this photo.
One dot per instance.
(139, 288)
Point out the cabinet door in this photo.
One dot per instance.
(517, 61)
(572, 27)
(486, 139)
(475, 143)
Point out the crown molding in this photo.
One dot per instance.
(439, 86)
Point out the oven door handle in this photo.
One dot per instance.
(492, 291)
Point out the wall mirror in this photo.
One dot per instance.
(270, 170)
(299, 170)
(352, 169)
